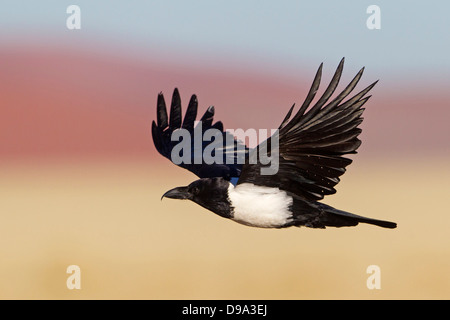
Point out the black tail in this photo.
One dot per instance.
(337, 218)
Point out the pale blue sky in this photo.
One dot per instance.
(414, 38)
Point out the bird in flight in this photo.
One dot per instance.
(311, 146)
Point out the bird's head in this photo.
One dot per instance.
(210, 193)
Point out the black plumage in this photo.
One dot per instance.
(312, 146)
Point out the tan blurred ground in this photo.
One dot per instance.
(109, 220)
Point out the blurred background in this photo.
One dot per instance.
(81, 182)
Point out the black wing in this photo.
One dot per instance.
(234, 152)
(313, 142)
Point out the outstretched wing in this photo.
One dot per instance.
(233, 152)
(313, 142)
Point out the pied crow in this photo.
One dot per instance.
(311, 146)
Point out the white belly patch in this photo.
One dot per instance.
(258, 206)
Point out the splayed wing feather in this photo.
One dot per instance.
(175, 110)
(311, 94)
(164, 127)
(161, 111)
(191, 114)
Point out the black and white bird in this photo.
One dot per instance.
(311, 148)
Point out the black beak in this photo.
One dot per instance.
(177, 193)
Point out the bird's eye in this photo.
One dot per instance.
(195, 190)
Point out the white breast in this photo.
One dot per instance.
(258, 206)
